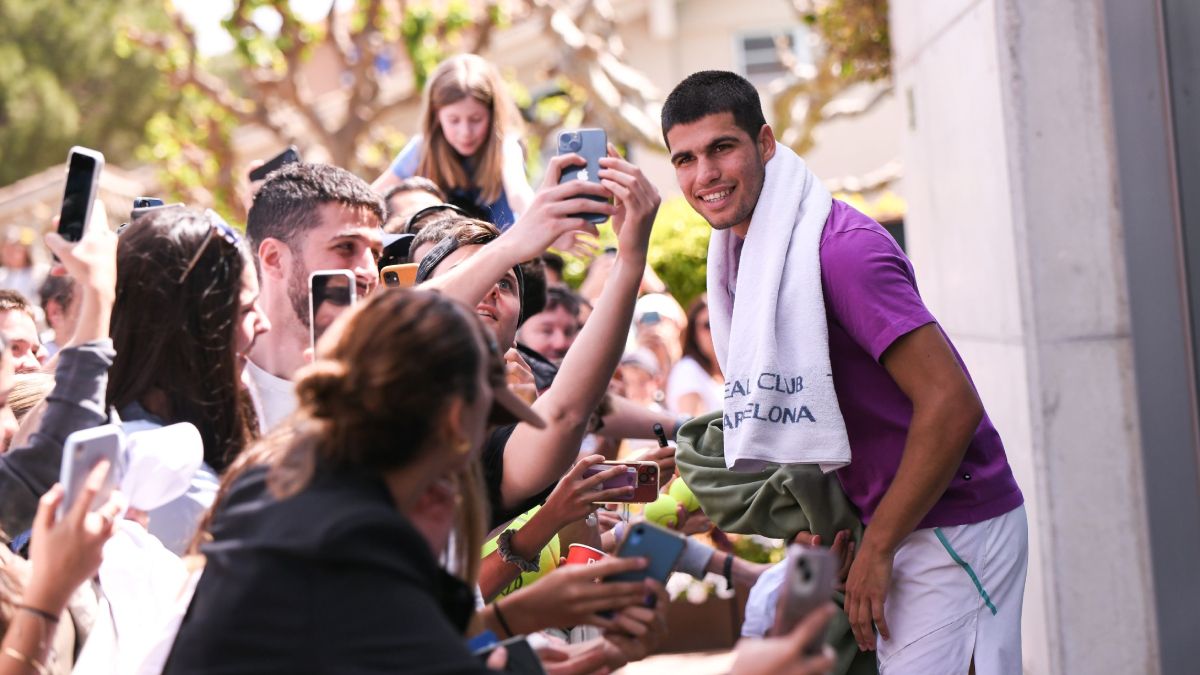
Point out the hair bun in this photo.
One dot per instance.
(321, 387)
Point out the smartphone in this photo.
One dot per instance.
(591, 144)
(83, 181)
(807, 584)
(641, 476)
(330, 292)
(82, 451)
(144, 205)
(399, 276)
(289, 156)
(661, 546)
(522, 660)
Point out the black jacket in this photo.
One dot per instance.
(331, 580)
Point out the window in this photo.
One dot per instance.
(759, 58)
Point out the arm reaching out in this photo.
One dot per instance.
(535, 458)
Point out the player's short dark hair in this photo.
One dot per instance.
(711, 92)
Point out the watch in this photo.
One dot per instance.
(504, 546)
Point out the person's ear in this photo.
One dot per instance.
(274, 258)
(451, 431)
(766, 143)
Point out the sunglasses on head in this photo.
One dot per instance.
(216, 226)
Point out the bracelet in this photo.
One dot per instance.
(32, 663)
(727, 572)
(504, 546)
(500, 618)
(39, 612)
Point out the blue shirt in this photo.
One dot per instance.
(499, 212)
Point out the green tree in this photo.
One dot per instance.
(384, 50)
(62, 83)
(852, 46)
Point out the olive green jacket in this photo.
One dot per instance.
(778, 502)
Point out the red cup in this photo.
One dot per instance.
(580, 554)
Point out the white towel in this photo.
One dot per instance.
(768, 326)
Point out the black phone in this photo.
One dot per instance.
(330, 292)
(289, 156)
(591, 144)
(522, 660)
(660, 546)
(83, 181)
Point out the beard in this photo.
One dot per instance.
(297, 292)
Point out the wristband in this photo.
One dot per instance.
(504, 546)
(500, 619)
(727, 572)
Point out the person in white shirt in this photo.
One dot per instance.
(305, 218)
(694, 386)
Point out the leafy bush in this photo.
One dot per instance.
(678, 250)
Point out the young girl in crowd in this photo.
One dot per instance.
(470, 142)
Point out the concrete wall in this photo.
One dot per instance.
(1016, 236)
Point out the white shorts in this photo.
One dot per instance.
(956, 595)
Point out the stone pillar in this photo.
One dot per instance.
(1016, 236)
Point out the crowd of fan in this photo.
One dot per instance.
(414, 483)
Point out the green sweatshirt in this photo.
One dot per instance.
(778, 502)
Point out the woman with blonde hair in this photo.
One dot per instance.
(469, 143)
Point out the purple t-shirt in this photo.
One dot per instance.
(871, 300)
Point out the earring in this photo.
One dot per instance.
(462, 446)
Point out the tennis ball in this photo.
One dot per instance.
(683, 494)
(663, 511)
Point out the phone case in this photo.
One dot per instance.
(591, 144)
(808, 584)
(399, 276)
(661, 546)
(642, 477)
(84, 166)
(323, 307)
(81, 452)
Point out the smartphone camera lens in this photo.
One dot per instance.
(391, 279)
(570, 143)
(804, 569)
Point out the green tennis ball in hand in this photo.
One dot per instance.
(683, 494)
(663, 511)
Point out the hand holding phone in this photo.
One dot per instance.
(808, 584)
(591, 144)
(330, 292)
(660, 546)
(82, 451)
(639, 475)
(83, 183)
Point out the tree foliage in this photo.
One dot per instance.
(384, 50)
(853, 46)
(62, 83)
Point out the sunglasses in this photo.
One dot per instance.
(217, 227)
(416, 217)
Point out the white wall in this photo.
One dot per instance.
(1015, 235)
